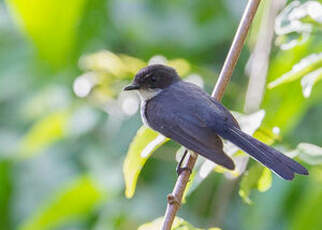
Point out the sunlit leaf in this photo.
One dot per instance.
(50, 24)
(305, 66)
(309, 153)
(76, 199)
(145, 142)
(257, 177)
(43, 133)
(178, 224)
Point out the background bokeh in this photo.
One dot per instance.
(66, 127)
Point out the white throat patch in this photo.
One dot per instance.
(147, 94)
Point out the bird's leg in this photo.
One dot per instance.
(180, 169)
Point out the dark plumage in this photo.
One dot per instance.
(185, 113)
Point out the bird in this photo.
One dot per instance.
(187, 114)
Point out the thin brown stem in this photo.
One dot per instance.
(235, 49)
(174, 199)
(257, 67)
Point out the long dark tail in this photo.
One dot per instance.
(271, 158)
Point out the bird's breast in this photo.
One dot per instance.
(143, 112)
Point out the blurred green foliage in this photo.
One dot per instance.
(178, 224)
(78, 199)
(49, 22)
(65, 126)
(257, 177)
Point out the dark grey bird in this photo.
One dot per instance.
(185, 113)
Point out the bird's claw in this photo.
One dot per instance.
(179, 170)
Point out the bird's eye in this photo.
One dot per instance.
(153, 78)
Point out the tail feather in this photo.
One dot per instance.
(271, 158)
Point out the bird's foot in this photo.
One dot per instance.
(180, 169)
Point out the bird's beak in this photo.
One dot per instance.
(133, 86)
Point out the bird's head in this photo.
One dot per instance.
(151, 80)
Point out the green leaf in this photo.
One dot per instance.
(309, 153)
(5, 194)
(145, 142)
(50, 24)
(257, 177)
(178, 224)
(304, 67)
(43, 133)
(76, 199)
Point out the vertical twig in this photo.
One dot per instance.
(235, 49)
(174, 199)
(256, 68)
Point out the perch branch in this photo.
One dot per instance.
(256, 68)
(174, 199)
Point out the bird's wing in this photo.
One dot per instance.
(229, 119)
(188, 130)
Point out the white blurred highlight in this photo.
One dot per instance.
(309, 80)
(158, 59)
(206, 168)
(149, 148)
(315, 10)
(292, 19)
(130, 105)
(195, 79)
(83, 120)
(240, 167)
(276, 130)
(83, 84)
